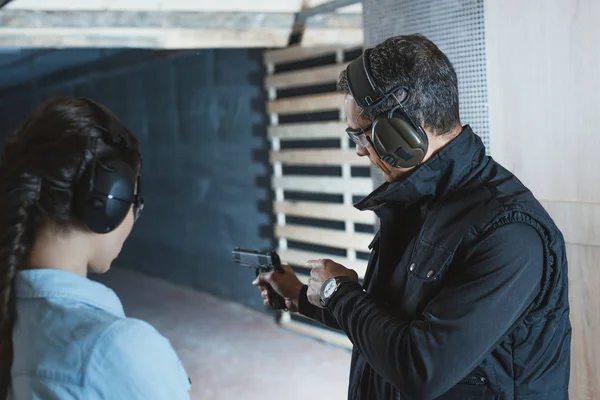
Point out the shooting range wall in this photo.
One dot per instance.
(317, 175)
(200, 118)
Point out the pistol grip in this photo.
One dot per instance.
(276, 301)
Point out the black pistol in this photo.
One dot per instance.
(262, 262)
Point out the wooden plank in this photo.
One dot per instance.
(328, 211)
(350, 37)
(319, 184)
(326, 335)
(584, 300)
(297, 53)
(325, 237)
(305, 77)
(290, 6)
(579, 222)
(151, 38)
(308, 131)
(298, 258)
(305, 104)
(319, 157)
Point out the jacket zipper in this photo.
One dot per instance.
(474, 380)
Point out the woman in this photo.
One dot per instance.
(70, 189)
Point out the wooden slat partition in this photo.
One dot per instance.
(326, 237)
(292, 54)
(308, 131)
(336, 212)
(319, 184)
(306, 104)
(318, 157)
(321, 224)
(310, 76)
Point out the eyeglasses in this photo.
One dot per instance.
(359, 136)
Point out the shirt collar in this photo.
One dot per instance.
(441, 174)
(59, 284)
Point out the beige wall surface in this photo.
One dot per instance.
(543, 60)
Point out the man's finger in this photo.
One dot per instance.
(314, 263)
(315, 272)
(265, 294)
(287, 268)
(329, 264)
(266, 302)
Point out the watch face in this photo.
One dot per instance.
(329, 288)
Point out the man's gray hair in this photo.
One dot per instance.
(417, 63)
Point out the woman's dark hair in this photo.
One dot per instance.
(39, 171)
(417, 63)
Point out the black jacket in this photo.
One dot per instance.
(465, 295)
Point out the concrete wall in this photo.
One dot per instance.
(200, 119)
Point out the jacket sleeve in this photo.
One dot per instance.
(482, 297)
(318, 314)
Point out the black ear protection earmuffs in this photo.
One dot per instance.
(396, 138)
(107, 187)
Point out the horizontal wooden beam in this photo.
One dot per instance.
(137, 29)
(299, 53)
(308, 131)
(305, 77)
(318, 157)
(241, 21)
(325, 237)
(298, 258)
(290, 6)
(305, 104)
(142, 38)
(320, 184)
(328, 211)
(327, 36)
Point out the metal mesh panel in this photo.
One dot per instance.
(457, 28)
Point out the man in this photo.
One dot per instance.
(465, 295)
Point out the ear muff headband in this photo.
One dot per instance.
(106, 189)
(397, 139)
(361, 84)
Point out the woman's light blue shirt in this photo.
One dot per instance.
(72, 340)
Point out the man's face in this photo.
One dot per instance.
(355, 120)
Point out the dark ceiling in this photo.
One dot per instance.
(18, 66)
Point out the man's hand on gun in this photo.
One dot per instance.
(286, 284)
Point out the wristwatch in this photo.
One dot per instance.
(330, 287)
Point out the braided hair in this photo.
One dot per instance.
(40, 168)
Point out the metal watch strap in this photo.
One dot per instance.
(340, 280)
